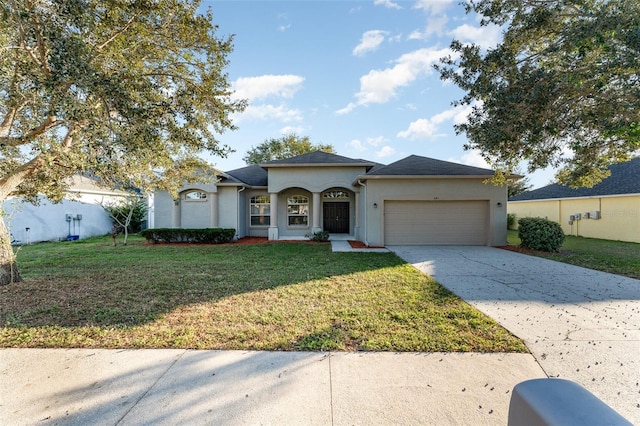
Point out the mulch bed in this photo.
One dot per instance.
(241, 241)
(361, 245)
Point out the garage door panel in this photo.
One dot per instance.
(436, 222)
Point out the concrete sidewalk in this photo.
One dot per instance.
(132, 387)
(580, 324)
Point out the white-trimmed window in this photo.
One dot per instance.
(260, 210)
(298, 210)
(195, 196)
(336, 194)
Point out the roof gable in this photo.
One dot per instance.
(318, 158)
(253, 175)
(415, 165)
(624, 179)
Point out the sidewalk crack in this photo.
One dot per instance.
(150, 387)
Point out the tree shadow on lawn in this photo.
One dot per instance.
(109, 286)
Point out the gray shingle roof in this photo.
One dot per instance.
(624, 179)
(318, 158)
(415, 165)
(251, 175)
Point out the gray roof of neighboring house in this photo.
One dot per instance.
(415, 165)
(624, 179)
(319, 158)
(251, 175)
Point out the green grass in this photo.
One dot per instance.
(616, 257)
(280, 296)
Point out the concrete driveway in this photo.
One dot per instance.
(579, 324)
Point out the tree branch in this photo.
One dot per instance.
(50, 122)
(42, 61)
(117, 33)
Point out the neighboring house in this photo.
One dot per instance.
(79, 215)
(416, 200)
(609, 210)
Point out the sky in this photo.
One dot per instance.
(357, 75)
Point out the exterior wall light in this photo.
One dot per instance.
(499, 204)
(375, 205)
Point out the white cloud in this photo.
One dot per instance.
(357, 145)
(270, 112)
(387, 3)
(379, 140)
(437, 19)
(433, 6)
(386, 151)
(283, 27)
(435, 25)
(264, 86)
(484, 36)
(369, 42)
(379, 86)
(422, 128)
(472, 158)
(427, 128)
(288, 130)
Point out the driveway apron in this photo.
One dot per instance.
(579, 324)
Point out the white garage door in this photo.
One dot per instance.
(436, 222)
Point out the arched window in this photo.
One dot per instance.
(195, 196)
(336, 194)
(298, 210)
(260, 210)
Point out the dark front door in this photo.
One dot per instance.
(335, 217)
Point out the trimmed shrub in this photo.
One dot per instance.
(537, 233)
(193, 236)
(511, 220)
(319, 236)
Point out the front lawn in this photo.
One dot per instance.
(616, 257)
(277, 296)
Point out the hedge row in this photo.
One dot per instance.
(194, 236)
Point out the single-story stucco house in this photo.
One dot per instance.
(415, 200)
(610, 210)
(79, 215)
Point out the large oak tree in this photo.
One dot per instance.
(562, 89)
(284, 147)
(127, 91)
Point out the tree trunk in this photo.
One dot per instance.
(8, 267)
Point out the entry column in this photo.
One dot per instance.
(176, 213)
(214, 209)
(273, 220)
(315, 227)
(356, 223)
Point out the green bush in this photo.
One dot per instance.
(540, 234)
(319, 236)
(131, 212)
(194, 236)
(511, 220)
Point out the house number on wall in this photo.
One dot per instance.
(436, 198)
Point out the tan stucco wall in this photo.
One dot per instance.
(198, 214)
(254, 231)
(313, 179)
(228, 210)
(162, 210)
(381, 190)
(619, 215)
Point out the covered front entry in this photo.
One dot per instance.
(335, 217)
(435, 222)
